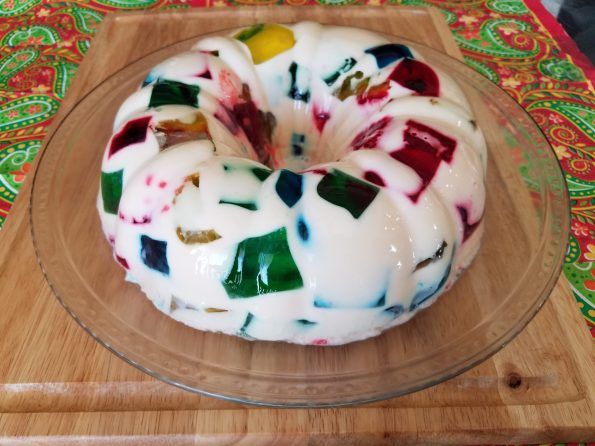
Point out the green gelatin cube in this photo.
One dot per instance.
(305, 322)
(174, 93)
(263, 265)
(261, 173)
(111, 190)
(345, 67)
(250, 205)
(347, 191)
(247, 33)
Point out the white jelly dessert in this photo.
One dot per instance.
(302, 183)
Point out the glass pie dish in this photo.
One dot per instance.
(526, 225)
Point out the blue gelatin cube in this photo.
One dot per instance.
(154, 254)
(289, 187)
(389, 53)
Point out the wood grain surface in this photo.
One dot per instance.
(58, 386)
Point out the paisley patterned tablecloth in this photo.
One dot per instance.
(514, 43)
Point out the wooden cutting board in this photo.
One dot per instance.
(58, 386)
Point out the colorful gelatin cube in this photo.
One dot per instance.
(257, 125)
(250, 205)
(298, 141)
(374, 178)
(205, 74)
(368, 137)
(353, 85)
(266, 41)
(151, 77)
(468, 228)
(175, 131)
(154, 254)
(295, 92)
(389, 53)
(437, 256)
(416, 76)
(344, 68)
(374, 94)
(191, 237)
(261, 173)
(320, 302)
(395, 310)
(243, 329)
(302, 229)
(194, 179)
(423, 151)
(305, 322)
(133, 132)
(111, 190)
(289, 187)
(215, 310)
(346, 191)
(263, 265)
(320, 117)
(166, 92)
(427, 293)
(381, 302)
(247, 33)
(122, 261)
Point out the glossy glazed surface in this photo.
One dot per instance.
(302, 183)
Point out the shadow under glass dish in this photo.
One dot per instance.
(523, 247)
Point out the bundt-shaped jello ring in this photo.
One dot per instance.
(302, 183)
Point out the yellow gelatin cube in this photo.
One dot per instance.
(191, 237)
(266, 41)
(215, 310)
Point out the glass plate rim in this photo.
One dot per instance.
(469, 363)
